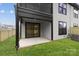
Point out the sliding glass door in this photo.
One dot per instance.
(32, 30)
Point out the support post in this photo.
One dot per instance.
(17, 28)
(52, 21)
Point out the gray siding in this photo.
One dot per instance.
(32, 10)
(42, 7)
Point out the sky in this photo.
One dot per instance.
(7, 13)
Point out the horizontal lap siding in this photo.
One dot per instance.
(38, 11)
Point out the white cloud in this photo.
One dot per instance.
(11, 11)
(2, 11)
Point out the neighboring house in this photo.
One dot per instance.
(49, 20)
(6, 27)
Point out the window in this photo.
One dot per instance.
(75, 13)
(62, 28)
(62, 8)
(75, 25)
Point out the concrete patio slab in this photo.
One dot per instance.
(32, 41)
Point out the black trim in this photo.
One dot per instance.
(17, 29)
(52, 21)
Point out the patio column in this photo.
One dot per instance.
(20, 27)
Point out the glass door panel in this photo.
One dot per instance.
(32, 30)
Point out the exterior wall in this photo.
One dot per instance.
(69, 18)
(46, 30)
(74, 20)
(23, 30)
(60, 17)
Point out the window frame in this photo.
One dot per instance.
(62, 30)
(62, 8)
(75, 14)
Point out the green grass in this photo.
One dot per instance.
(63, 47)
(7, 47)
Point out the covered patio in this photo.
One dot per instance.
(32, 41)
(33, 26)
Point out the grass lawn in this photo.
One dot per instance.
(53, 48)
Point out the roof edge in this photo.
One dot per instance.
(74, 5)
